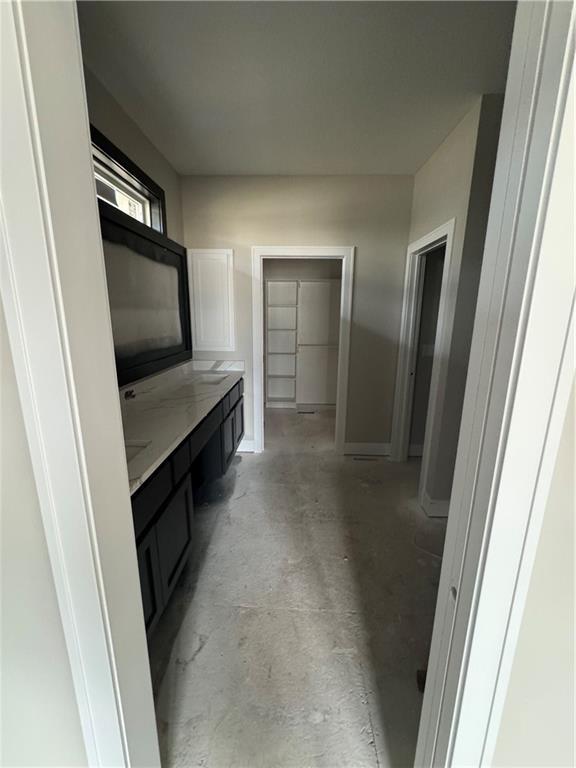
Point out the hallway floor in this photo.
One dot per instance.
(295, 633)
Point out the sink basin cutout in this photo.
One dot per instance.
(133, 448)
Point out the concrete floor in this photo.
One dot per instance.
(294, 636)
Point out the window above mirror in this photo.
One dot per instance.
(121, 183)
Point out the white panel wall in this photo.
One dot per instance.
(211, 274)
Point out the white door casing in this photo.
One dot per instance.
(259, 253)
(53, 288)
(411, 306)
(485, 555)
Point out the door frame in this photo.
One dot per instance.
(54, 295)
(346, 255)
(519, 377)
(410, 322)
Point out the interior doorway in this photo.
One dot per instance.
(429, 305)
(301, 328)
(425, 335)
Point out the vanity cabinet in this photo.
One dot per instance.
(174, 536)
(149, 570)
(163, 549)
(227, 441)
(163, 508)
(239, 423)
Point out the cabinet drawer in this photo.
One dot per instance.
(150, 585)
(147, 500)
(174, 535)
(181, 461)
(204, 431)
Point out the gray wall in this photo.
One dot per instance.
(109, 117)
(457, 183)
(370, 212)
(537, 726)
(39, 723)
(301, 269)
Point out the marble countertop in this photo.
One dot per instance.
(167, 407)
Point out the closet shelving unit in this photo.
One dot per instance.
(281, 329)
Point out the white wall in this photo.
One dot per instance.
(370, 212)
(537, 726)
(456, 183)
(111, 120)
(39, 721)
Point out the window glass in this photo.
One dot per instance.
(119, 182)
(112, 190)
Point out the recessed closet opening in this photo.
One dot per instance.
(302, 307)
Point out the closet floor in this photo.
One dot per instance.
(294, 635)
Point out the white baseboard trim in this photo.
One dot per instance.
(246, 446)
(435, 507)
(366, 449)
(281, 405)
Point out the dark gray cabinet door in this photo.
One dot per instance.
(174, 535)
(150, 582)
(228, 442)
(239, 423)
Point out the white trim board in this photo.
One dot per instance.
(411, 305)
(261, 252)
(366, 449)
(246, 446)
(53, 287)
(435, 507)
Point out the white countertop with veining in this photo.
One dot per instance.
(167, 407)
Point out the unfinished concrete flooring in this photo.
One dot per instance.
(294, 636)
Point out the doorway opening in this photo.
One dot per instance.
(425, 336)
(421, 375)
(302, 303)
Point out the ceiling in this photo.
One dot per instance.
(297, 87)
